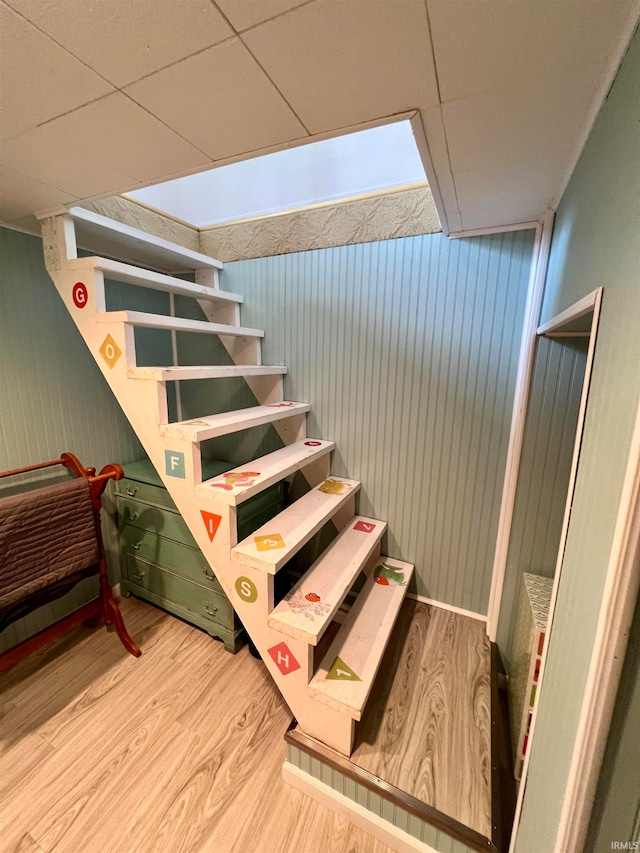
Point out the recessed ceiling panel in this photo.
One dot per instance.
(39, 79)
(126, 39)
(346, 166)
(341, 63)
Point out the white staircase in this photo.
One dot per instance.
(325, 696)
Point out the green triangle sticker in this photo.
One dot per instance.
(339, 671)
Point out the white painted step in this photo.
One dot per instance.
(224, 371)
(107, 237)
(214, 426)
(178, 324)
(347, 672)
(275, 543)
(245, 481)
(117, 271)
(307, 610)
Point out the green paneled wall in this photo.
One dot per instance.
(616, 813)
(407, 351)
(543, 478)
(596, 243)
(52, 398)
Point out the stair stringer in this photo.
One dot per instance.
(144, 403)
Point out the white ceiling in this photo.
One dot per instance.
(103, 97)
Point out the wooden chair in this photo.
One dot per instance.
(24, 600)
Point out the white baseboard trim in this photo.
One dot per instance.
(381, 829)
(443, 606)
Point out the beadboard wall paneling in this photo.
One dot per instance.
(596, 243)
(52, 398)
(545, 465)
(407, 351)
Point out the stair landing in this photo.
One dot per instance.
(425, 734)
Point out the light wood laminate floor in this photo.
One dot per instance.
(427, 727)
(180, 750)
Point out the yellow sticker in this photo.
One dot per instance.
(246, 589)
(270, 542)
(333, 487)
(110, 351)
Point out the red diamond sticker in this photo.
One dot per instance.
(364, 526)
(283, 658)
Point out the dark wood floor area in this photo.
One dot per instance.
(179, 751)
(427, 728)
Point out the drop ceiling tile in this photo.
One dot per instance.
(248, 13)
(342, 63)
(485, 44)
(123, 40)
(509, 193)
(20, 196)
(68, 164)
(502, 125)
(29, 223)
(40, 79)
(119, 133)
(221, 101)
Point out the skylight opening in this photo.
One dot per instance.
(357, 164)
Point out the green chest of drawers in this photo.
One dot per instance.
(161, 561)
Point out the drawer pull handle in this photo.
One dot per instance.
(132, 515)
(131, 490)
(138, 575)
(135, 545)
(207, 607)
(209, 575)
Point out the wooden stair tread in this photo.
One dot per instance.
(118, 271)
(273, 544)
(223, 371)
(108, 237)
(212, 426)
(178, 324)
(345, 676)
(241, 483)
(327, 582)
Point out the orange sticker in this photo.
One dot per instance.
(211, 522)
(270, 542)
(333, 487)
(235, 479)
